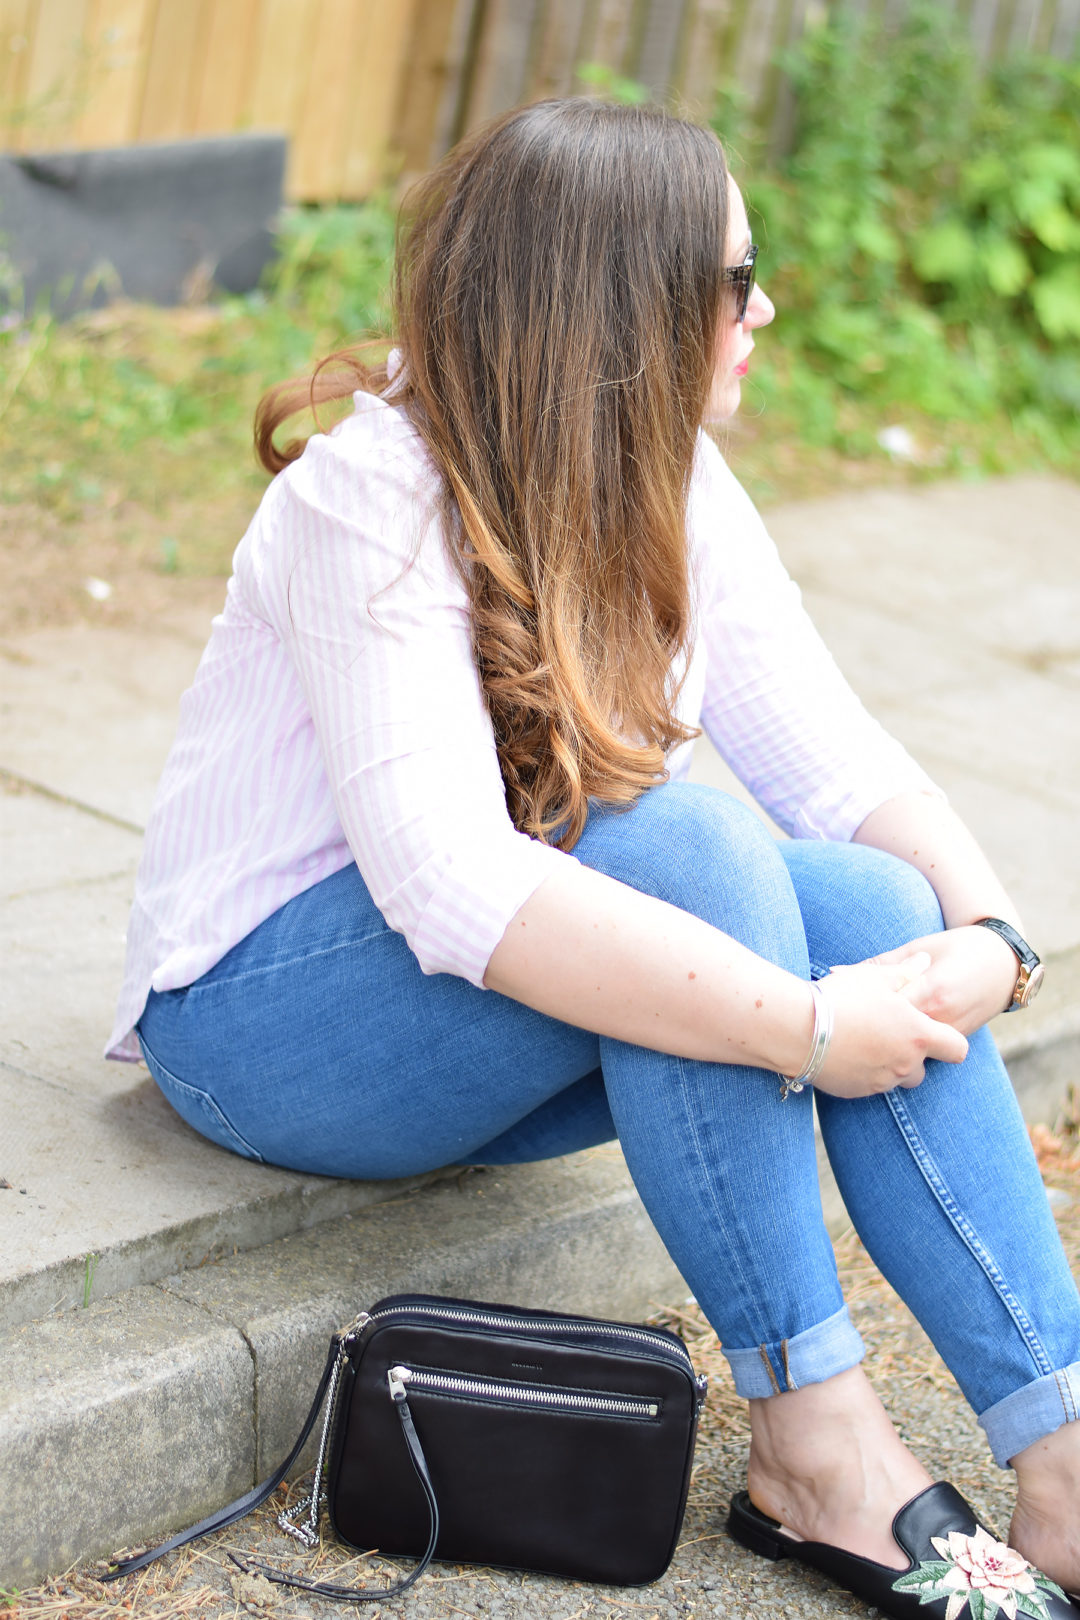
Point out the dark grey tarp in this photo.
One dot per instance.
(156, 222)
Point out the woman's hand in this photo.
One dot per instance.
(881, 1035)
(970, 979)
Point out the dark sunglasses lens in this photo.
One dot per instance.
(745, 289)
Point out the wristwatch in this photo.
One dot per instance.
(1029, 982)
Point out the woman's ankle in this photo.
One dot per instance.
(827, 1463)
(1049, 1463)
(1046, 1525)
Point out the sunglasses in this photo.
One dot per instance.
(742, 277)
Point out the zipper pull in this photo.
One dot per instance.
(397, 1378)
(353, 1329)
(702, 1385)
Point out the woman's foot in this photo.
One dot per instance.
(827, 1463)
(1046, 1524)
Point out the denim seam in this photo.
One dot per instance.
(1068, 1406)
(966, 1232)
(791, 1384)
(204, 1097)
(731, 1247)
(767, 1364)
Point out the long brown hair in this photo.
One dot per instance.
(558, 294)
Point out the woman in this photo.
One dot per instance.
(425, 883)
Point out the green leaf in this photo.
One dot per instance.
(1034, 197)
(986, 176)
(1047, 1584)
(613, 85)
(980, 1608)
(1054, 160)
(847, 331)
(1006, 266)
(877, 241)
(931, 1573)
(827, 236)
(945, 252)
(1056, 298)
(1056, 228)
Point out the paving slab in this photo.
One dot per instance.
(106, 1194)
(89, 712)
(988, 564)
(67, 883)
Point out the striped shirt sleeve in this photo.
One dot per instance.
(776, 705)
(376, 621)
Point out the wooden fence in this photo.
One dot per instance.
(368, 88)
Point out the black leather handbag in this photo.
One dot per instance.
(483, 1434)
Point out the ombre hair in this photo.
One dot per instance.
(558, 293)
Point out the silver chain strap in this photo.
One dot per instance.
(309, 1533)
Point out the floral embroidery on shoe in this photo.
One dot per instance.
(982, 1574)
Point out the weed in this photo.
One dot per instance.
(88, 1277)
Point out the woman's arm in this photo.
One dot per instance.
(973, 971)
(929, 835)
(596, 953)
(779, 710)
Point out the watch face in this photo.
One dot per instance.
(1029, 990)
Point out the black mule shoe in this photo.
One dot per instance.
(957, 1570)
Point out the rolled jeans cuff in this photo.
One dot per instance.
(1031, 1413)
(810, 1357)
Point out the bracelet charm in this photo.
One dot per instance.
(819, 1045)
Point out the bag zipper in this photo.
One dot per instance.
(452, 1313)
(484, 1389)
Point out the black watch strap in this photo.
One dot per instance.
(1024, 953)
(1030, 976)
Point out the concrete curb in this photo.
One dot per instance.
(128, 1420)
(1042, 1045)
(292, 1204)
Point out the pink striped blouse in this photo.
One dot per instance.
(337, 715)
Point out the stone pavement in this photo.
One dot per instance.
(954, 611)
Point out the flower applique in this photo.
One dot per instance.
(982, 1574)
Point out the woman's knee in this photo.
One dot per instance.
(858, 901)
(703, 851)
(909, 905)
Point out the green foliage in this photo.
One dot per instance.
(157, 404)
(604, 81)
(333, 269)
(922, 240)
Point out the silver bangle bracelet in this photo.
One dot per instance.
(819, 1045)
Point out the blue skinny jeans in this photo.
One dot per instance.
(318, 1044)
